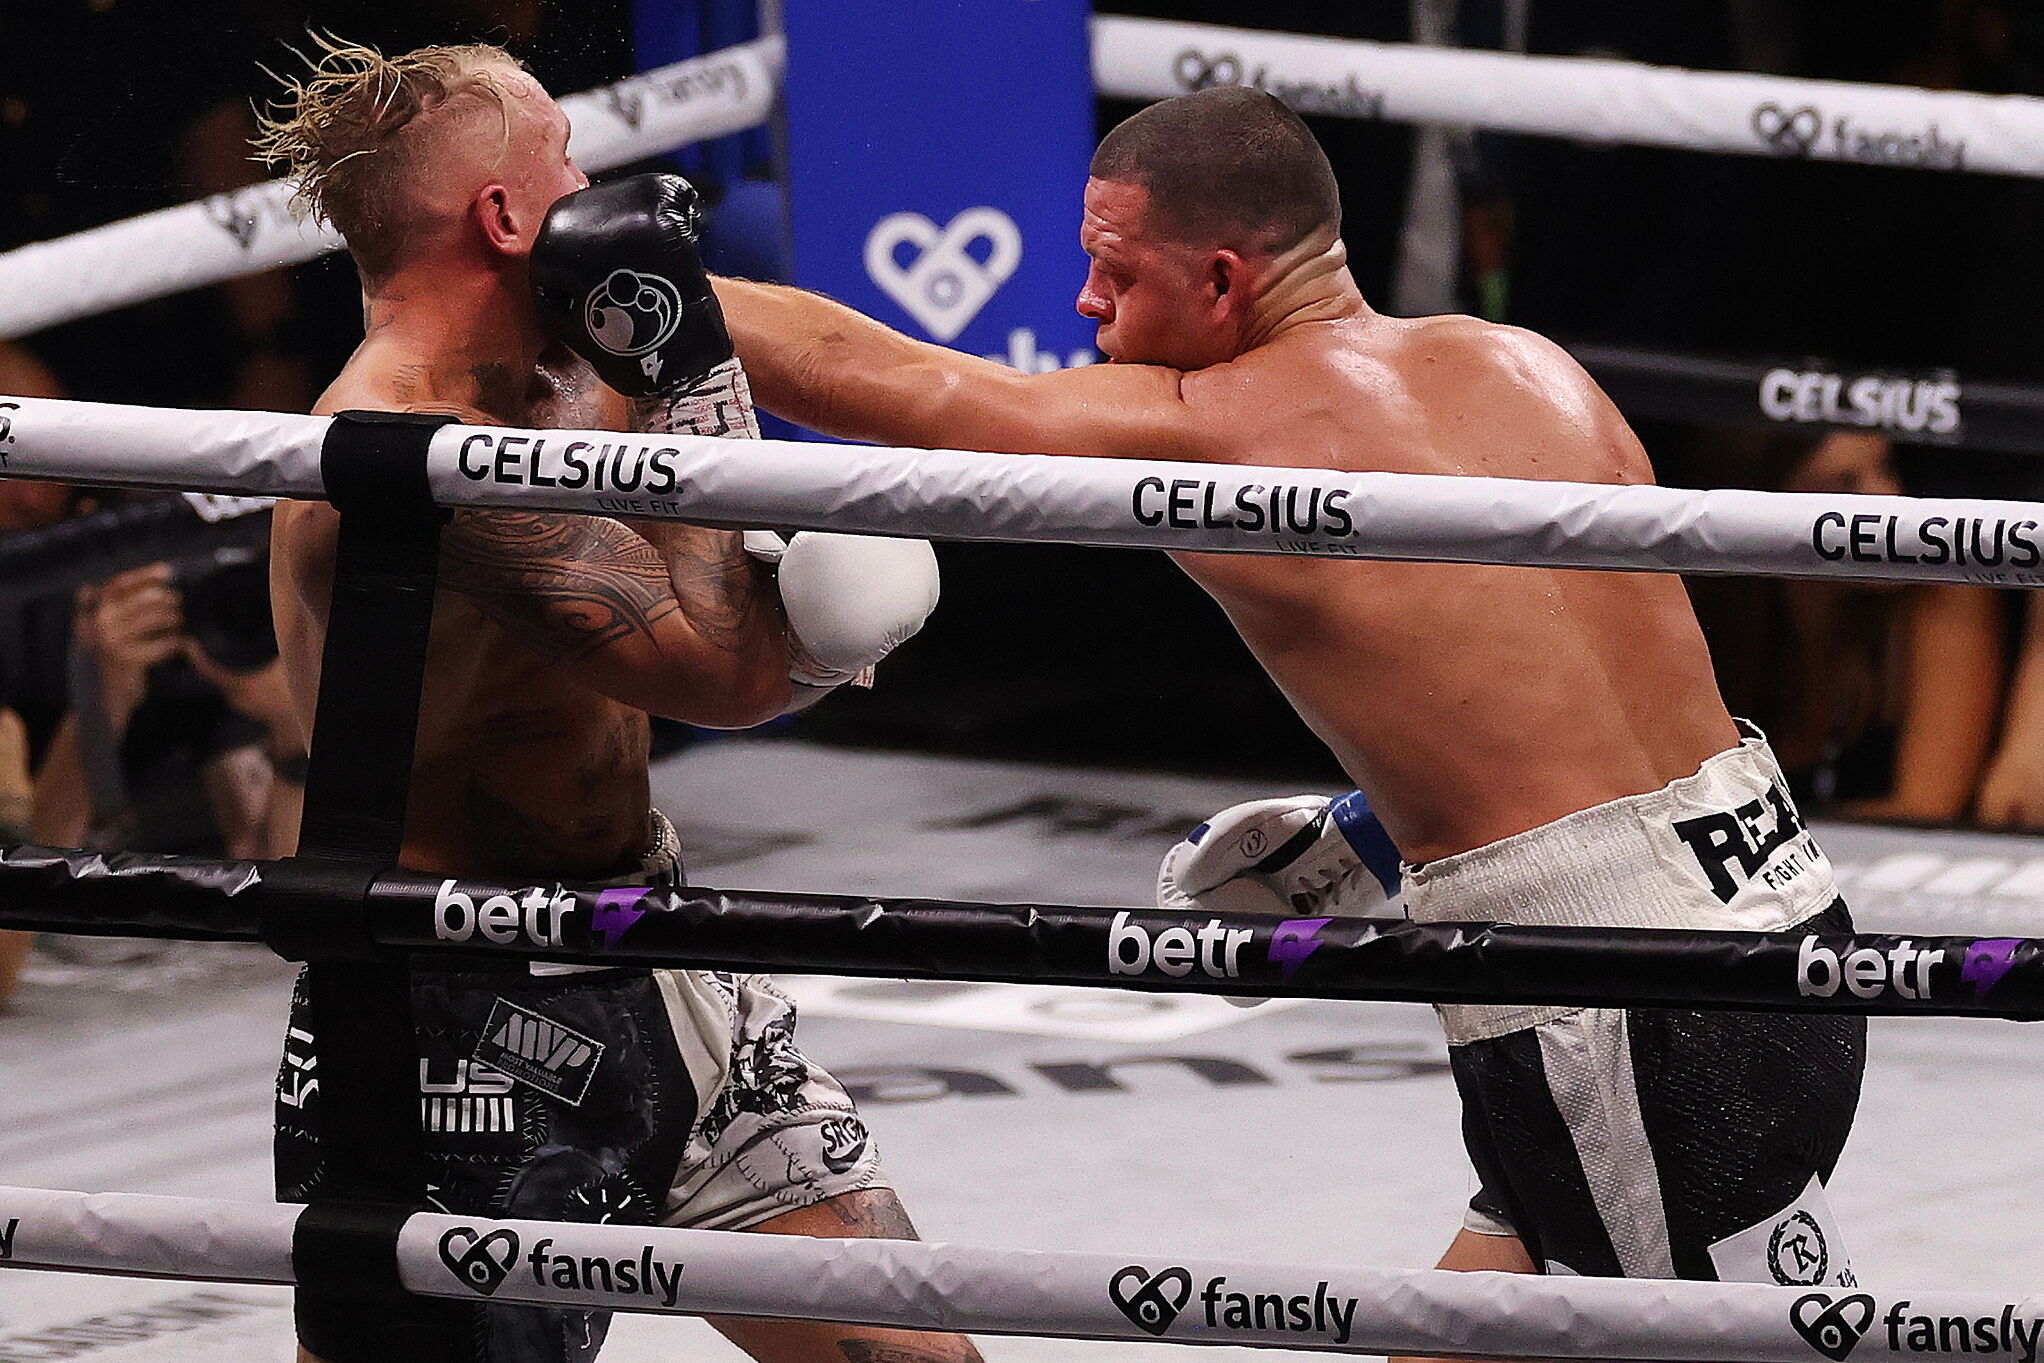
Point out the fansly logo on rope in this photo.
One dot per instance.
(941, 283)
(633, 314)
(485, 1261)
(2005, 1332)
(696, 80)
(7, 411)
(1151, 1301)
(1833, 1328)
(482, 1262)
(1347, 98)
(1154, 1301)
(1808, 131)
(242, 213)
(7, 1237)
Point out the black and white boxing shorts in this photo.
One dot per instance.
(1655, 1142)
(641, 1097)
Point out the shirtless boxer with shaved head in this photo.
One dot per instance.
(1543, 746)
(552, 638)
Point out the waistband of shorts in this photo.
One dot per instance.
(659, 864)
(1635, 861)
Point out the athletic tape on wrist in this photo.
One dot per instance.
(719, 405)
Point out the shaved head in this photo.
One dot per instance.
(390, 149)
(1228, 166)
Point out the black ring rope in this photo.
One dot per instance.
(480, 924)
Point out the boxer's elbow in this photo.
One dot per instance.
(736, 697)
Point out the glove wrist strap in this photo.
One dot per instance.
(718, 404)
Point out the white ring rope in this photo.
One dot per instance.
(953, 494)
(1595, 99)
(251, 230)
(980, 1290)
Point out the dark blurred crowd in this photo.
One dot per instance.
(118, 728)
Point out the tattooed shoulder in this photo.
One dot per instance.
(564, 586)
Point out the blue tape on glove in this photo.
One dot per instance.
(1365, 833)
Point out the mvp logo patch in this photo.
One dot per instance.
(539, 1052)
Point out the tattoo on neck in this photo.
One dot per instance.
(498, 389)
(405, 381)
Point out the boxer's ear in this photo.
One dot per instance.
(1227, 276)
(494, 217)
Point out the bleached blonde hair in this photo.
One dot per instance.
(347, 131)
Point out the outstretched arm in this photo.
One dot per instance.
(827, 367)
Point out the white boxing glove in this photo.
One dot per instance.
(850, 601)
(1302, 856)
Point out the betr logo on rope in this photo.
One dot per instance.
(7, 1237)
(1865, 972)
(534, 915)
(1175, 951)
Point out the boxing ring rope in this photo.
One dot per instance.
(250, 230)
(1594, 99)
(1144, 1295)
(247, 231)
(951, 494)
(1129, 503)
(297, 911)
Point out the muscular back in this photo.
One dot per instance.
(1470, 702)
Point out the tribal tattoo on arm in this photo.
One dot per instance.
(721, 588)
(563, 586)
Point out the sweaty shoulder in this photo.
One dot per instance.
(1523, 404)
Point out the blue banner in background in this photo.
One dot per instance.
(936, 158)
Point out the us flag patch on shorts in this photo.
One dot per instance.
(539, 1052)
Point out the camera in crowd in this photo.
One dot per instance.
(226, 599)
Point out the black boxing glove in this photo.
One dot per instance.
(617, 277)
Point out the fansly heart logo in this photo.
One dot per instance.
(482, 1262)
(1832, 1328)
(943, 284)
(1157, 1299)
